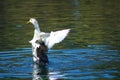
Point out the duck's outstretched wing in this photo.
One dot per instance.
(56, 37)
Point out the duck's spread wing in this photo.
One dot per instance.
(56, 37)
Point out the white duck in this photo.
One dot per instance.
(42, 41)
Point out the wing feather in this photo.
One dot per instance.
(56, 37)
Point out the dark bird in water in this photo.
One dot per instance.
(42, 41)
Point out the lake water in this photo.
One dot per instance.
(90, 52)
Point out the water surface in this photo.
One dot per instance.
(91, 22)
(90, 51)
(69, 64)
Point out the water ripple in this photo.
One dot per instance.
(64, 64)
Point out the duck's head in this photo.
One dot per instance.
(33, 21)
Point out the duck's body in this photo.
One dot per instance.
(42, 41)
(39, 48)
(42, 53)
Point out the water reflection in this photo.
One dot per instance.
(40, 72)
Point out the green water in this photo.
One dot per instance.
(91, 22)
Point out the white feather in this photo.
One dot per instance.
(56, 37)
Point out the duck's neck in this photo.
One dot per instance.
(37, 28)
(36, 31)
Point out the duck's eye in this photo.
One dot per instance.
(36, 41)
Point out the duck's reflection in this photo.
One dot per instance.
(40, 72)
